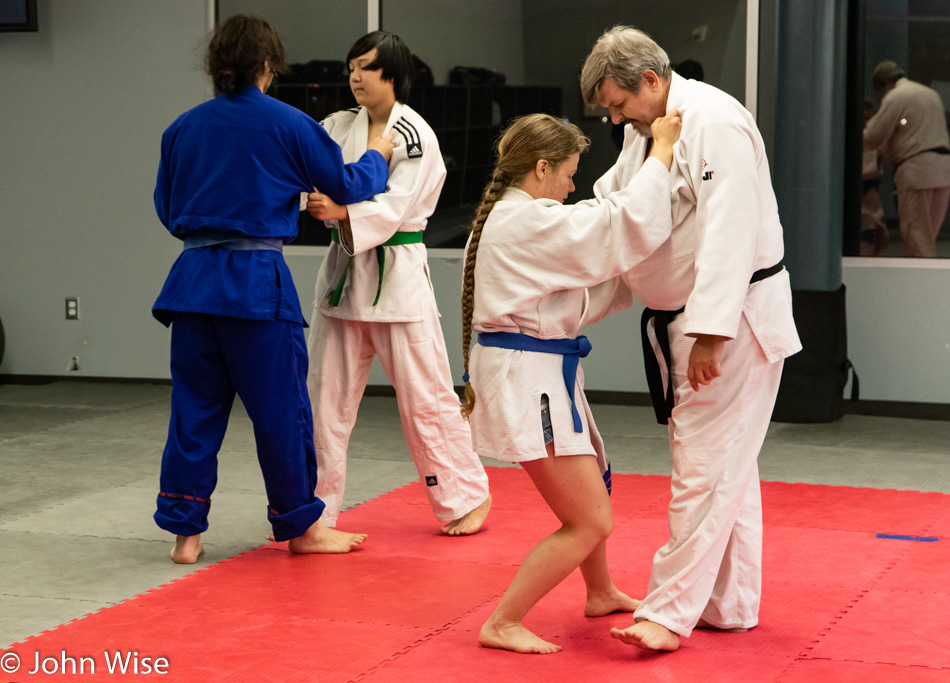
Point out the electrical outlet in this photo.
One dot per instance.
(72, 308)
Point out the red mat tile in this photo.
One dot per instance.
(791, 616)
(454, 656)
(828, 671)
(821, 556)
(355, 587)
(940, 526)
(883, 511)
(920, 564)
(414, 533)
(220, 646)
(407, 606)
(888, 627)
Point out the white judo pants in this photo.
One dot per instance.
(414, 357)
(712, 565)
(921, 214)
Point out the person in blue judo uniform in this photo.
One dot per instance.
(229, 181)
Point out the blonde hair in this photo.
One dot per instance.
(622, 54)
(526, 141)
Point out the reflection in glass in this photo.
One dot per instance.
(317, 35)
(906, 150)
(535, 49)
(484, 62)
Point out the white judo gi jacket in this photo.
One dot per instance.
(536, 260)
(725, 227)
(725, 224)
(402, 330)
(415, 181)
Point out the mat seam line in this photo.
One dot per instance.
(435, 632)
(803, 655)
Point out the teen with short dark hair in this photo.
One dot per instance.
(374, 298)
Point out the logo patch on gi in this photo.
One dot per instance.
(431, 480)
(707, 175)
(411, 136)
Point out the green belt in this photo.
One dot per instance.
(395, 240)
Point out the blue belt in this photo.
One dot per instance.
(235, 243)
(572, 350)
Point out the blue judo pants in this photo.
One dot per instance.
(265, 363)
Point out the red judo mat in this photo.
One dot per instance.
(856, 587)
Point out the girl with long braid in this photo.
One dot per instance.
(535, 271)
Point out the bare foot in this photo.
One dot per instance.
(270, 537)
(514, 637)
(322, 539)
(602, 604)
(187, 549)
(647, 636)
(469, 523)
(702, 623)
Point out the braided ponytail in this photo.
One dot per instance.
(492, 192)
(526, 141)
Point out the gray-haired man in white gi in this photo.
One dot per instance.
(718, 290)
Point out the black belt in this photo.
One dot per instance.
(663, 402)
(935, 150)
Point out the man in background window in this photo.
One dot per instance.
(911, 129)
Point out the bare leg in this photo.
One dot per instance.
(187, 549)
(573, 488)
(602, 595)
(647, 636)
(469, 523)
(320, 538)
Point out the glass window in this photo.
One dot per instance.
(528, 55)
(484, 62)
(907, 46)
(317, 35)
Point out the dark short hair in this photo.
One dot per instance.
(237, 52)
(392, 57)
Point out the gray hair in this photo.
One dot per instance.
(886, 73)
(622, 54)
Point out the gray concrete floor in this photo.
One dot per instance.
(80, 464)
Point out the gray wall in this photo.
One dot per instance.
(85, 102)
(450, 33)
(310, 29)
